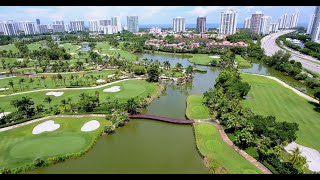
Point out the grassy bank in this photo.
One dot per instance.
(242, 63)
(195, 107)
(271, 98)
(220, 156)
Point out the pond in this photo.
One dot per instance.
(5, 75)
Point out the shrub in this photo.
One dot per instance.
(38, 162)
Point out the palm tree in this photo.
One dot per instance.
(189, 70)
(132, 106)
(64, 104)
(2, 112)
(10, 83)
(178, 66)
(82, 96)
(21, 81)
(31, 81)
(48, 100)
(44, 79)
(53, 78)
(166, 65)
(297, 159)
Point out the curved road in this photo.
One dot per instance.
(268, 43)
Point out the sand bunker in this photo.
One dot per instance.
(90, 126)
(56, 94)
(111, 75)
(4, 89)
(112, 49)
(312, 155)
(112, 89)
(100, 81)
(47, 126)
(4, 114)
(103, 54)
(72, 53)
(19, 59)
(216, 57)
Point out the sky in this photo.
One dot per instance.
(146, 14)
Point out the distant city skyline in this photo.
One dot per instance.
(146, 14)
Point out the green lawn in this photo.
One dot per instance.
(202, 70)
(201, 59)
(105, 48)
(70, 48)
(35, 46)
(128, 89)
(212, 146)
(242, 63)
(9, 47)
(195, 107)
(40, 84)
(20, 147)
(271, 98)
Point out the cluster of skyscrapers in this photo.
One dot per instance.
(314, 25)
(260, 23)
(11, 28)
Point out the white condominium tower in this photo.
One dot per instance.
(179, 24)
(283, 22)
(315, 25)
(273, 27)
(43, 28)
(247, 22)
(265, 25)
(310, 24)
(132, 24)
(228, 22)
(201, 24)
(76, 26)
(58, 26)
(256, 22)
(294, 20)
(9, 28)
(94, 26)
(116, 24)
(105, 22)
(29, 28)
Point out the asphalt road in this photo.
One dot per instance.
(268, 43)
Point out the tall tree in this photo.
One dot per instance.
(48, 100)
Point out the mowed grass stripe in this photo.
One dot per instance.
(271, 98)
(195, 107)
(210, 144)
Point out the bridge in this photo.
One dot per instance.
(160, 118)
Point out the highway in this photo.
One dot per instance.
(268, 43)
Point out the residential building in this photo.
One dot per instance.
(228, 22)
(132, 24)
(94, 26)
(76, 26)
(314, 34)
(38, 21)
(155, 30)
(274, 27)
(265, 25)
(283, 22)
(256, 22)
(105, 22)
(179, 24)
(201, 24)
(116, 24)
(58, 26)
(247, 22)
(42, 28)
(294, 20)
(9, 29)
(106, 29)
(29, 28)
(310, 24)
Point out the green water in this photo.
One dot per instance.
(146, 146)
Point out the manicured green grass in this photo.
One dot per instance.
(105, 48)
(49, 82)
(70, 48)
(242, 63)
(8, 60)
(202, 70)
(35, 46)
(211, 145)
(271, 98)
(201, 59)
(195, 107)
(20, 147)
(128, 89)
(9, 47)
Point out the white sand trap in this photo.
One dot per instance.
(103, 54)
(90, 126)
(19, 59)
(312, 155)
(112, 49)
(112, 89)
(47, 126)
(4, 114)
(216, 57)
(72, 53)
(100, 81)
(111, 75)
(4, 89)
(61, 45)
(56, 94)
